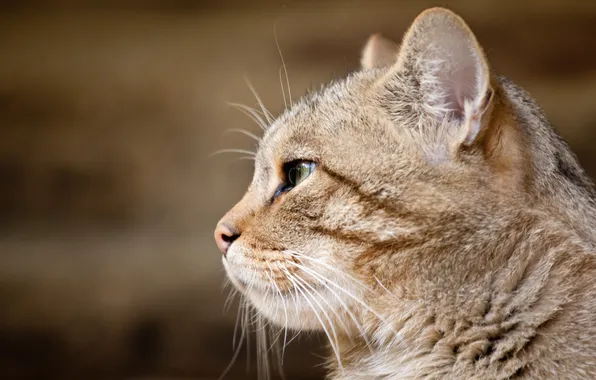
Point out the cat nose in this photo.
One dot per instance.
(224, 237)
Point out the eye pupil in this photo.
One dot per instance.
(292, 176)
(298, 171)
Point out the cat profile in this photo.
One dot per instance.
(424, 214)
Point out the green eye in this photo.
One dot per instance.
(297, 171)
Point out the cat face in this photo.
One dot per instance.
(304, 221)
(366, 185)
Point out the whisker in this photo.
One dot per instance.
(239, 319)
(321, 280)
(242, 131)
(246, 324)
(234, 356)
(364, 304)
(300, 256)
(296, 335)
(263, 360)
(244, 158)
(283, 93)
(285, 329)
(384, 287)
(266, 112)
(229, 300)
(294, 297)
(243, 151)
(339, 319)
(279, 357)
(233, 360)
(251, 113)
(283, 62)
(332, 342)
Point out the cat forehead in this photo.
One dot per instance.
(320, 114)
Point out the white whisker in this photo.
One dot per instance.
(246, 324)
(242, 151)
(263, 358)
(300, 256)
(322, 280)
(244, 132)
(239, 322)
(283, 62)
(279, 357)
(236, 352)
(266, 112)
(251, 113)
(285, 328)
(283, 93)
(384, 287)
(245, 158)
(229, 300)
(338, 318)
(352, 296)
(332, 342)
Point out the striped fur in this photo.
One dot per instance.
(442, 235)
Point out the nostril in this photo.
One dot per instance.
(224, 237)
(230, 238)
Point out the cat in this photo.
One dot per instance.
(425, 216)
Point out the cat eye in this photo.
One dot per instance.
(298, 171)
(295, 172)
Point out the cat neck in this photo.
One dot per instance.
(460, 324)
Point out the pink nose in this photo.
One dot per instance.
(224, 237)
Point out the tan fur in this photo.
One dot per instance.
(378, 52)
(446, 232)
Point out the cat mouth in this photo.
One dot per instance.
(259, 288)
(264, 287)
(267, 289)
(246, 286)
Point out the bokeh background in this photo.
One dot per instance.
(108, 197)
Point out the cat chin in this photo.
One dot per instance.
(289, 312)
(285, 314)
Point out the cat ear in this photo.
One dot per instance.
(378, 52)
(451, 68)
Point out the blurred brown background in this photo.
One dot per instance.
(108, 113)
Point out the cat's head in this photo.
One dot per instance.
(376, 181)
